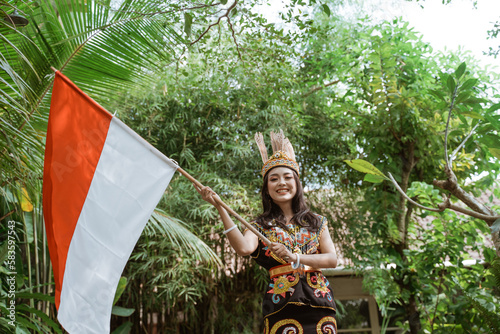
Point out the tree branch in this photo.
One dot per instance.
(234, 38)
(451, 184)
(409, 199)
(474, 214)
(315, 89)
(216, 23)
(446, 205)
(463, 143)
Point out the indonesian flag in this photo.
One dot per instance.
(101, 182)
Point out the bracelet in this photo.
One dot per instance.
(230, 229)
(296, 265)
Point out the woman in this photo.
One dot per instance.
(298, 298)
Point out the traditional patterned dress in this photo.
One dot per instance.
(296, 301)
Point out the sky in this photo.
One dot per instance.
(456, 25)
(445, 27)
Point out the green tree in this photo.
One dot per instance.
(397, 96)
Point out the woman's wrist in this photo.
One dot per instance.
(296, 264)
(219, 208)
(292, 259)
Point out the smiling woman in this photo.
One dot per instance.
(298, 297)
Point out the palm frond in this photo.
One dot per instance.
(179, 235)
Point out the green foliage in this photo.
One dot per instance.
(424, 193)
(493, 33)
(486, 297)
(125, 328)
(122, 283)
(341, 90)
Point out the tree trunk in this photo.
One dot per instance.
(413, 315)
(408, 162)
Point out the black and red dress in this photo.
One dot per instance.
(296, 301)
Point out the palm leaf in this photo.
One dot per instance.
(179, 235)
(104, 51)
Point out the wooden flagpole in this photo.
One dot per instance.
(228, 209)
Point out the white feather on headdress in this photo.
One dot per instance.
(280, 143)
(259, 139)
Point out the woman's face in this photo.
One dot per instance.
(281, 185)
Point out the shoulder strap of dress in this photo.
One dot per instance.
(254, 224)
(322, 226)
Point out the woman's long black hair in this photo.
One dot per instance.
(273, 216)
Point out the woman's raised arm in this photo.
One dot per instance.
(243, 244)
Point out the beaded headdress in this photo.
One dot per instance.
(283, 154)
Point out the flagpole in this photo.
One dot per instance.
(228, 209)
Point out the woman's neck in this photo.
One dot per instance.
(287, 211)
